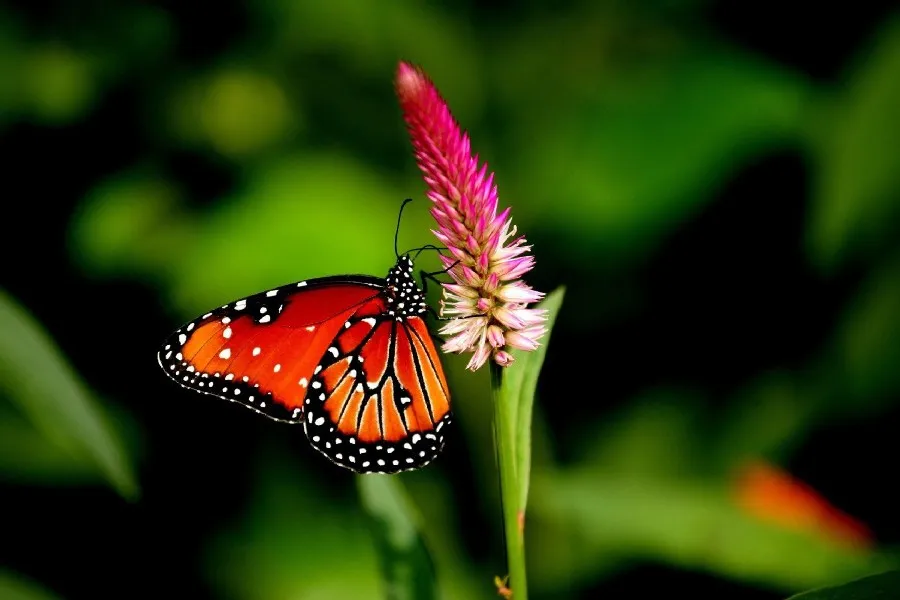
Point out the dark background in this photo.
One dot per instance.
(716, 185)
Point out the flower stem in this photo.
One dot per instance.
(504, 439)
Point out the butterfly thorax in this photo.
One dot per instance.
(404, 297)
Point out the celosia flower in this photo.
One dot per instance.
(488, 301)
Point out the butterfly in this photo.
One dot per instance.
(348, 356)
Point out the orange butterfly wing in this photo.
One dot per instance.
(349, 356)
(379, 400)
(261, 351)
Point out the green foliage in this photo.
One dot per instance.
(632, 160)
(858, 176)
(39, 381)
(16, 587)
(874, 587)
(278, 154)
(236, 112)
(405, 562)
(290, 542)
(519, 390)
(124, 222)
(514, 391)
(584, 520)
(866, 347)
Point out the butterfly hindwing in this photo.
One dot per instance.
(379, 401)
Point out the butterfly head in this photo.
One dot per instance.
(404, 297)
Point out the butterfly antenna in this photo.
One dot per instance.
(397, 231)
(421, 249)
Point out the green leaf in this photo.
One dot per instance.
(27, 456)
(596, 520)
(866, 348)
(514, 390)
(38, 379)
(857, 183)
(17, 587)
(405, 561)
(883, 586)
(519, 387)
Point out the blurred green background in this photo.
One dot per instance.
(716, 183)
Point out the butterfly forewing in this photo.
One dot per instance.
(260, 351)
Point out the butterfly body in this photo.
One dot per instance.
(350, 357)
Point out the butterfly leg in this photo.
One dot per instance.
(426, 276)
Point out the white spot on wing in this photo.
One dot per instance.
(265, 319)
(182, 338)
(227, 333)
(277, 367)
(303, 382)
(225, 354)
(271, 293)
(256, 351)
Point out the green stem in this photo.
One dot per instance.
(504, 438)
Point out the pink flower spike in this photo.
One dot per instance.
(488, 301)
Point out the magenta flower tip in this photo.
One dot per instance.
(488, 301)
